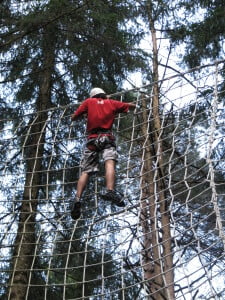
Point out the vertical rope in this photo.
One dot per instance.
(210, 160)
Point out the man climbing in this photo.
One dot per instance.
(100, 112)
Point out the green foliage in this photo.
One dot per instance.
(203, 36)
(52, 53)
(71, 46)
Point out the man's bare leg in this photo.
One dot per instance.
(110, 174)
(111, 194)
(81, 184)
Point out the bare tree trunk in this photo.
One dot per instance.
(155, 218)
(25, 242)
(151, 251)
(24, 245)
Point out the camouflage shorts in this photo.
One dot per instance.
(90, 160)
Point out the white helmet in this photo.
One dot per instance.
(96, 91)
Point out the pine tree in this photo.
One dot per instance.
(53, 52)
(161, 19)
(202, 32)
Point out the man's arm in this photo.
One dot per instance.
(74, 117)
(81, 111)
(123, 107)
(132, 105)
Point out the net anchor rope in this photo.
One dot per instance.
(210, 161)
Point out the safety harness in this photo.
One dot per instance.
(104, 139)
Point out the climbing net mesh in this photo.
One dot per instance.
(166, 243)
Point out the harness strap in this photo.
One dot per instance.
(99, 131)
(102, 141)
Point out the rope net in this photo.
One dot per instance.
(167, 243)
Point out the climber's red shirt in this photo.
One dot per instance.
(100, 112)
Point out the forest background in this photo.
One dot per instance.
(52, 53)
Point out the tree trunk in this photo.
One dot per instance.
(25, 242)
(24, 245)
(155, 218)
(148, 215)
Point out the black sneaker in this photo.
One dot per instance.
(115, 197)
(76, 210)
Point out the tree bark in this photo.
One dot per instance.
(148, 219)
(25, 242)
(155, 217)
